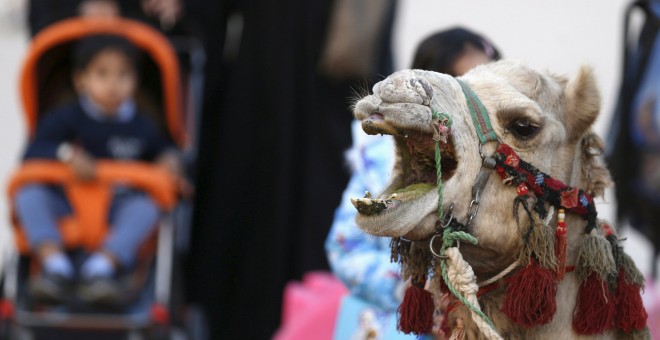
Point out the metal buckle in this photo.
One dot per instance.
(473, 209)
(484, 157)
(433, 250)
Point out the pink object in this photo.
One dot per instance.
(310, 307)
(651, 299)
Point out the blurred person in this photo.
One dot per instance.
(42, 13)
(104, 123)
(275, 124)
(361, 261)
(633, 148)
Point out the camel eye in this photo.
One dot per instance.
(523, 128)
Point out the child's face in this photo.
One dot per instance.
(109, 79)
(469, 59)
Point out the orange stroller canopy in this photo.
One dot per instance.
(147, 39)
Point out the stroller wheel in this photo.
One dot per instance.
(15, 332)
(5, 328)
(195, 322)
(166, 333)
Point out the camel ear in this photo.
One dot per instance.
(582, 102)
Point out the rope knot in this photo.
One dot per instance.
(441, 127)
(450, 236)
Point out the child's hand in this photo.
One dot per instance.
(168, 12)
(83, 165)
(99, 8)
(171, 162)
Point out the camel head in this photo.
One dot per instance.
(536, 151)
(545, 118)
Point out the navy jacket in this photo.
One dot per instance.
(134, 139)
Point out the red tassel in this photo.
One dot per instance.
(531, 296)
(561, 246)
(416, 310)
(594, 310)
(630, 312)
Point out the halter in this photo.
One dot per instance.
(485, 134)
(445, 228)
(513, 170)
(516, 172)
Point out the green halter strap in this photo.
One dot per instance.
(479, 115)
(486, 134)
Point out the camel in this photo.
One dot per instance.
(522, 186)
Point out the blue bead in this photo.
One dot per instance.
(539, 179)
(584, 200)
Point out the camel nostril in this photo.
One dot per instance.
(427, 87)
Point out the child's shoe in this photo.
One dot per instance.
(98, 286)
(101, 292)
(54, 283)
(50, 288)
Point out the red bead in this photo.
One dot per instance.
(561, 228)
(522, 189)
(512, 160)
(608, 229)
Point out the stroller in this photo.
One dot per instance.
(157, 308)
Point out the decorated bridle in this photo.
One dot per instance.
(608, 296)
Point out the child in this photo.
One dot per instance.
(103, 124)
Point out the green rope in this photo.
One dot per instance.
(445, 120)
(449, 237)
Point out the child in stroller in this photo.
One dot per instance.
(103, 123)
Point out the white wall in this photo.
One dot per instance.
(557, 35)
(13, 41)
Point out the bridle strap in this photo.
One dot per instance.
(479, 115)
(486, 134)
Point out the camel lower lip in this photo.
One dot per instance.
(375, 124)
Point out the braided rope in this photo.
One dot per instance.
(442, 119)
(502, 274)
(461, 275)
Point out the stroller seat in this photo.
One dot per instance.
(90, 200)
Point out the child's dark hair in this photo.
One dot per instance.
(439, 51)
(88, 48)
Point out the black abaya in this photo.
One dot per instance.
(271, 169)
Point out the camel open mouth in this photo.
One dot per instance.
(416, 176)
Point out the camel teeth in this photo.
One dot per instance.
(365, 201)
